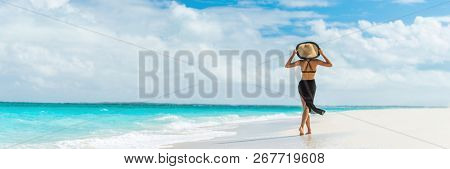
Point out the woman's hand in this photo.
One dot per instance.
(294, 52)
(321, 52)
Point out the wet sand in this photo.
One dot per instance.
(375, 129)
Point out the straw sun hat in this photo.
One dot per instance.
(308, 50)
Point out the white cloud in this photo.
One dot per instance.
(304, 3)
(286, 3)
(49, 4)
(409, 1)
(44, 60)
(386, 57)
(40, 53)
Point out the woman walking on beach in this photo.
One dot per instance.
(308, 53)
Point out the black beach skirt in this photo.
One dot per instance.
(307, 90)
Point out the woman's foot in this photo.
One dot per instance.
(301, 131)
(309, 132)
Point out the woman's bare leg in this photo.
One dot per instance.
(308, 124)
(304, 117)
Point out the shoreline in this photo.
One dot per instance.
(202, 104)
(373, 129)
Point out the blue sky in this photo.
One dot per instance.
(338, 11)
(394, 62)
(342, 11)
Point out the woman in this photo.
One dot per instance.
(307, 86)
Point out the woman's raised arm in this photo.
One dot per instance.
(327, 62)
(289, 63)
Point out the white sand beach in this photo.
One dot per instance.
(422, 128)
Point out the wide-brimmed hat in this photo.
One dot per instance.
(308, 50)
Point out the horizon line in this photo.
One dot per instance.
(206, 104)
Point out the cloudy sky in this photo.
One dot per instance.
(385, 52)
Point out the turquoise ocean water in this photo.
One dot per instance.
(130, 125)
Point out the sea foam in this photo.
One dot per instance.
(174, 129)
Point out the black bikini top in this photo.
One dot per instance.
(310, 68)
